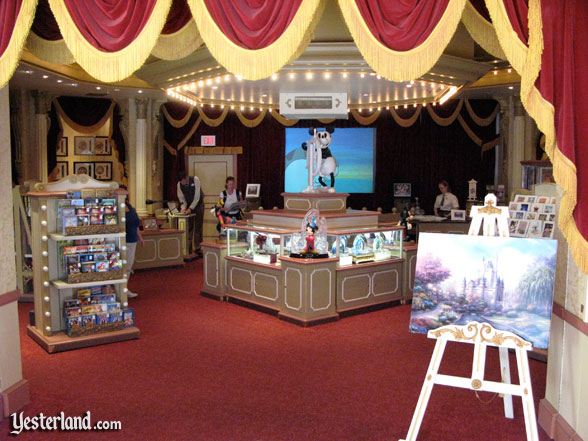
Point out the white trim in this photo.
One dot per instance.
(179, 247)
(312, 289)
(382, 272)
(300, 286)
(206, 269)
(296, 208)
(264, 297)
(355, 277)
(250, 280)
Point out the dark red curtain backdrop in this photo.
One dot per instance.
(480, 6)
(562, 83)
(44, 24)
(421, 154)
(252, 24)
(8, 14)
(517, 11)
(110, 25)
(401, 26)
(179, 15)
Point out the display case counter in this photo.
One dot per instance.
(160, 248)
(446, 226)
(362, 245)
(260, 244)
(409, 252)
(215, 275)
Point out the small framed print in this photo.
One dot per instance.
(402, 190)
(62, 147)
(530, 199)
(547, 230)
(62, 170)
(522, 228)
(103, 171)
(529, 215)
(459, 215)
(542, 200)
(549, 208)
(149, 224)
(519, 198)
(519, 215)
(84, 145)
(252, 190)
(524, 207)
(84, 168)
(102, 146)
(513, 206)
(535, 229)
(512, 227)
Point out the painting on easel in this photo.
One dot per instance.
(506, 282)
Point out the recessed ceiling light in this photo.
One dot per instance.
(366, 94)
(409, 85)
(274, 77)
(511, 87)
(140, 91)
(97, 87)
(45, 77)
(309, 75)
(264, 95)
(117, 89)
(215, 87)
(60, 81)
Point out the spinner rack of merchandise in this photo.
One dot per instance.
(50, 288)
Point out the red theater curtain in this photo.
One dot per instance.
(110, 40)
(476, 19)
(255, 38)
(402, 40)
(16, 17)
(180, 36)
(45, 40)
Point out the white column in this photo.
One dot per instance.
(141, 157)
(516, 145)
(10, 362)
(42, 107)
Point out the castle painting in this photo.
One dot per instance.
(506, 282)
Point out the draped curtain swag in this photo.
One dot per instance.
(543, 40)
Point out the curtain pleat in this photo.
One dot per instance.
(401, 41)
(179, 37)
(16, 17)
(481, 30)
(256, 57)
(110, 40)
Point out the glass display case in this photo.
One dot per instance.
(258, 243)
(363, 245)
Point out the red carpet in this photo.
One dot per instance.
(208, 370)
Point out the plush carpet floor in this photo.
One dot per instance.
(209, 370)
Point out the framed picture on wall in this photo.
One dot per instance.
(84, 168)
(62, 169)
(84, 145)
(402, 190)
(102, 146)
(62, 147)
(252, 190)
(149, 223)
(103, 171)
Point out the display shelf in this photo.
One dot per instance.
(61, 284)
(59, 341)
(60, 237)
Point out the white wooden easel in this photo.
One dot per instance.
(482, 335)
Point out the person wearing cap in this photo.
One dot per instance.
(191, 199)
(446, 201)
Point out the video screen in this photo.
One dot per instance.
(352, 148)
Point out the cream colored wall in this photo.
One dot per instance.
(10, 363)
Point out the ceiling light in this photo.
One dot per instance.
(251, 108)
(511, 87)
(292, 75)
(45, 77)
(495, 72)
(97, 87)
(372, 74)
(422, 83)
(379, 77)
(117, 89)
(309, 75)
(414, 105)
(264, 95)
(362, 75)
(215, 87)
(232, 107)
(510, 71)
(200, 83)
(405, 106)
(208, 82)
(60, 81)
(218, 80)
(411, 81)
(424, 104)
(327, 75)
(227, 77)
(274, 77)
(239, 77)
(365, 94)
(396, 106)
(344, 74)
(242, 108)
(387, 107)
(140, 91)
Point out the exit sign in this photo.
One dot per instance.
(208, 140)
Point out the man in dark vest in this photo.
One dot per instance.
(192, 201)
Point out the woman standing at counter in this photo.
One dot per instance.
(446, 201)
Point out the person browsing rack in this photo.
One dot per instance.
(446, 201)
(191, 200)
(230, 196)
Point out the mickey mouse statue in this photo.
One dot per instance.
(319, 159)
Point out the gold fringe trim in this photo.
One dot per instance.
(22, 26)
(535, 50)
(184, 141)
(365, 120)
(50, 51)
(88, 130)
(491, 144)
(406, 122)
(514, 49)
(110, 66)
(483, 122)
(469, 131)
(177, 123)
(170, 148)
(445, 121)
(178, 45)
(251, 122)
(213, 122)
(482, 31)
(282, 120)
(260, 63)
(405, 65)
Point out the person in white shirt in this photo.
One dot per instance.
(230, 196)
(191, 200)
(446, 201)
